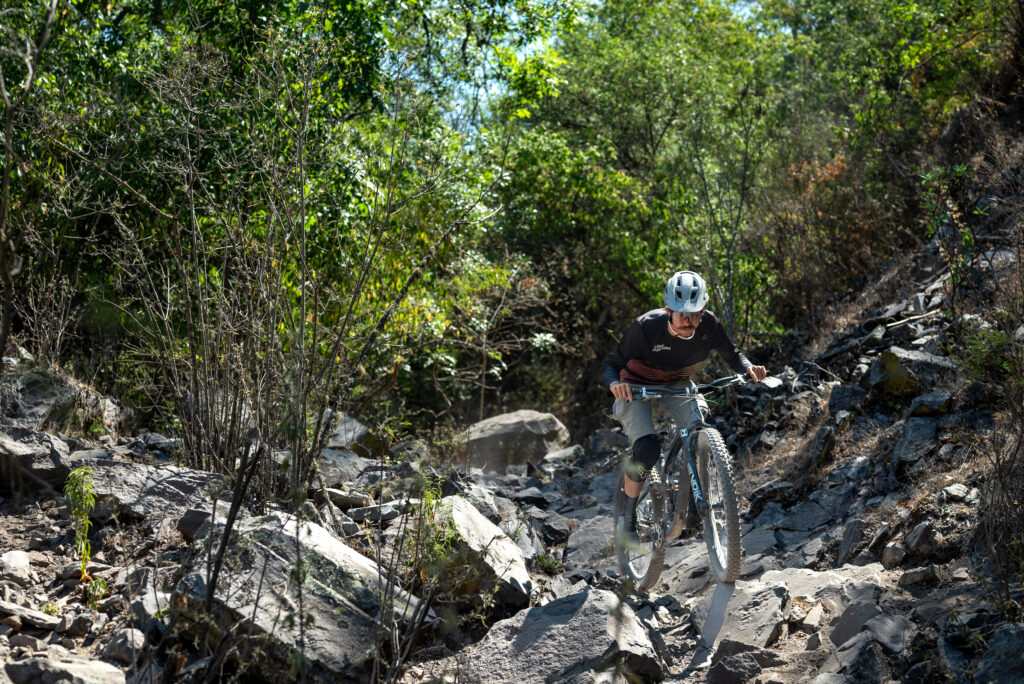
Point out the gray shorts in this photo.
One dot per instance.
(637, 416)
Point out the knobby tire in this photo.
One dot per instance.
(714, 466)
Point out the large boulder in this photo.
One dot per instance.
(918, 441)
(565, 640)
(748, 612)
(340, 466)
(836, 589)
(134, 490)
(1004, 659)
(899, 372)
(513, 438)
(846, 398)
(256, 596)
(351, 435)
(60, 404)
(52, 669)
(484, 558)
(87, 412)
(590, 543)
(37, 458)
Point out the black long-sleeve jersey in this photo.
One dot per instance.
(649, 354)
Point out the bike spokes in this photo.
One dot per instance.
(640, 560)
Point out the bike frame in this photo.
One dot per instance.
(687, 437)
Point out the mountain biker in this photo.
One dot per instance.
(665, 347)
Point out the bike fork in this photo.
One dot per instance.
(691, 465)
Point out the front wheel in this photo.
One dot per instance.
(721, 517)
(642, 562)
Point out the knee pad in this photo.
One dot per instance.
(646, 451)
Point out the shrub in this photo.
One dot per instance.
(79, 491)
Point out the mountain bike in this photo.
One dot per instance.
(695, 464)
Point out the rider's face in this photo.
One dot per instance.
(684, 323)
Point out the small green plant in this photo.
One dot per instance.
(989, 356)
(79, 491)
(96, 428)
(430, 541)
(95, 591)
(551, 566)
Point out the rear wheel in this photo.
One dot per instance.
(642, 562)
(721, 518)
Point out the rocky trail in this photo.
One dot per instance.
(860, 479)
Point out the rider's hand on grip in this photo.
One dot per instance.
(621, 390)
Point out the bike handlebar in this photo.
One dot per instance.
(644, 392)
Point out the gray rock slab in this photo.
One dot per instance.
(807, 555)
(918, 441)
(686, 571)
(894, 633)
(590, 543)
(764, 658)
(531, 496)
(835, 501)
(853, 535)
(73, 570)
(85, 622)
(16, 567)
(931, 404)
(863, 660)
(922, 540)
(812, 621)
(150, 604)
(829, 678)
(892, 555)
(42, 457)
(515, 437)
(790, 540)
(28, 616)
(137, 491)
(342, 590)
(914, 576)
(383, 513)
(340, 466)
(852, 620)
(846, 398)
(748, 612)
(351, 435)
(805, 516)
(760, 540)
(771, 514)
(857, 471)
(901, 372)
(125, 646)
(740, 667)
(837, 588)
(525, 536)
(954, 492)
(495, 508)
(497, 557)
(1004, 659)
(602, 487)
(63, 669)
(563, 640)
(754, 566)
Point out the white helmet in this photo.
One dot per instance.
(686, 291)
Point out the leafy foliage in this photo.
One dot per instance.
(579, 152)
(79, 490)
